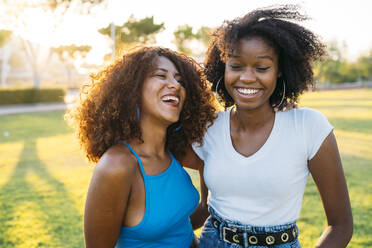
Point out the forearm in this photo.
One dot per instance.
(199, 216)
(336, 236)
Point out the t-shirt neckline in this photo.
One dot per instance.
(264, 149)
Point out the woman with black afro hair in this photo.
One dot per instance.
(257, 160)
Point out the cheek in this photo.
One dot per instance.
(229, 78)
(270, 80)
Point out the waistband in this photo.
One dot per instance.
(234, 232)
(251, 228)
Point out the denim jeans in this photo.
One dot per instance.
(210, 237)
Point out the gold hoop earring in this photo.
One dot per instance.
(216, 92)
(283, 96)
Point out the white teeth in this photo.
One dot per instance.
(247, 91)
(170, 98)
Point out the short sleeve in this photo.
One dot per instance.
(316, 128)
(198, 149)
(214, 135)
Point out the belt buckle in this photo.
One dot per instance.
(224, 228)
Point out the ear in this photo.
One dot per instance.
(279, 74)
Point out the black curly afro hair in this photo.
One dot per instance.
(297, 49)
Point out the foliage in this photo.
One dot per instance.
(71, 51)
(53, 4)
(181, 36)
(364, 65)
(134, 32)
(16, 15)
(30, 95)
(184, 36)
(4, 36)
(337, 69)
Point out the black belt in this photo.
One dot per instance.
(235, 235)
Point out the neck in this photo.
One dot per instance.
(153, 136)
(253, 118)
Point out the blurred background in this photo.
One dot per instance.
(48, 48)
(57, 42)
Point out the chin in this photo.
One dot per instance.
(250, 106)
(171, 119)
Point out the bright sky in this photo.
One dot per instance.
(341, 20)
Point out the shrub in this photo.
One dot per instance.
(31, 95)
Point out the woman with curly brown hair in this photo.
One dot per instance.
(135, 114)
(256, 160)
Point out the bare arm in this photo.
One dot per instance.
(107, 201)
(201, 213)
(328, 175)
(191, 160)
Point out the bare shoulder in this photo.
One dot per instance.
(117, 163)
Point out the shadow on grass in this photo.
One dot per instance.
(15, 128)
(49, 215)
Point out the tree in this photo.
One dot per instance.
(335, 68)
(134, 32)
(204, 35)
(182, 35)
(68, 53)
(364, 64)
(192, 43)
(15, 16)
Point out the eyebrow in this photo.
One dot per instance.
(264, 57)
(161, 69)
(165, 70)
(259, 57)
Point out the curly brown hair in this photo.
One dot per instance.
(107, 111)
(296, 46)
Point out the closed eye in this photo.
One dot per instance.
(262, 68)
(235, 67)
(160, 76)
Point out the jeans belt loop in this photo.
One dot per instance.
(220, 230)
(245, 239)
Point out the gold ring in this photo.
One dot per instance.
(270, 240)
(235, 238)
(285, 237)
(253, 240)
(215, 224)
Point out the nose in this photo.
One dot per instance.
(173, 83)
(248, 75)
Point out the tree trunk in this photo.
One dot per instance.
(6, 52)
(36, 79)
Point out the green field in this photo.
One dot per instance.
(44, 177)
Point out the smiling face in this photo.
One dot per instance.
(251, 73)
(162, 93)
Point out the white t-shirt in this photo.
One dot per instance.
(267, 187)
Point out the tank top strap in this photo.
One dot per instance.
(138, 158)
(172, 157)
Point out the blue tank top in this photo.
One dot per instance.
(170, 200)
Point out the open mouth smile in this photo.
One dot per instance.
(171, 99)
(247, 91)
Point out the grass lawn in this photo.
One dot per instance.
(44, 177)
